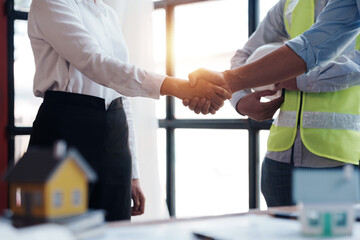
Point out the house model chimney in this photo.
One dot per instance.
(60, 149)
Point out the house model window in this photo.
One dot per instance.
(76, 197)
(313, 219)
(58, 199)
(341, 219)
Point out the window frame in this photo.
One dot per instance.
(3, 102)
(11, 130)
(170, 123)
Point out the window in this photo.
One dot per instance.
(76, 197)
(211, 177)
(313, 218)
(340, 219)
(22, 105)
(195, 171)
(26, 104)
(58, 199)
(18, 198)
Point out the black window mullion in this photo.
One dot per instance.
(254, 15)
(11, 91)
(20, 15)
(254, 151)
(170, 113)
(254, 168)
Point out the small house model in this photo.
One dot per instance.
(327, 197)
(47, 184)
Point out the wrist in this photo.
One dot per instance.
(231, 78)
(135, 182)
(176, 87)
(240, 109)
(169, 86)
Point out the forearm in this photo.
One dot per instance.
(181, 89)
(175, 87)
(264, 71)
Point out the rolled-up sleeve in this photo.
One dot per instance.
(341, 73)
(335, 28)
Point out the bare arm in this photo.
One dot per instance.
(280, 65)
(263, 71)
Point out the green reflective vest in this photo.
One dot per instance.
(329, 122)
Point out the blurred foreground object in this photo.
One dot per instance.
(328, 197)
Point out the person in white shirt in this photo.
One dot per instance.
(83, 74)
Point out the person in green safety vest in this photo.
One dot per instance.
(318, 125)
(314, 127)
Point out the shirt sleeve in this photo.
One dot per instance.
(132, 137)
(270, 30)
(58, 24)
(335, 28)
(341, 73)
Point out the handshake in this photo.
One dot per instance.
(205, 92)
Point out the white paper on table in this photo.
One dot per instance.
(263, 227)
(244, 227)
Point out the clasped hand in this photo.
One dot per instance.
(251, 105)
(210, 95)
(201, 105)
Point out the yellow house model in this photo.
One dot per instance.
(47, 184)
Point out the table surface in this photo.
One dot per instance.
(254, 224)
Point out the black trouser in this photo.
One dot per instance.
(100, 135)
(276, 182)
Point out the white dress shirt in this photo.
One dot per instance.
(78, 47)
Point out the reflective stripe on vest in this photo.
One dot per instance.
(330, 121)
(325, 120)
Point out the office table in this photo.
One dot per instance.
(252, 225)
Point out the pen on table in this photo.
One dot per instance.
(284, 215)
(202, 236)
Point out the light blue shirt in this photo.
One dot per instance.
(335, 27)
(339, 73)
